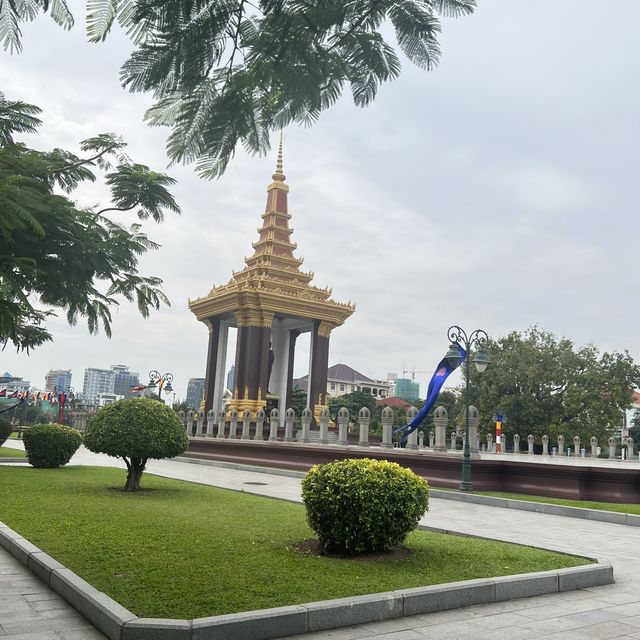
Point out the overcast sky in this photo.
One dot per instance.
(495, 192)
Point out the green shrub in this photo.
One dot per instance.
(50, 445)
(363, 506)
(5, 430)
(136, 429)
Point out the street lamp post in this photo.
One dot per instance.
(478, 339)
(161, 380)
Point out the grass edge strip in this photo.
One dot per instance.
(118, 623)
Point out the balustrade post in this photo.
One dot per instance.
(364, 420)
(474, 440)
(343, 426)
(210, 421)
(246, 424)
(222, 419)
(440, 419)
(274, 420)
(530, 440)
(306, 425)
(545, 445)
(200, 424)
(233, 425)
(412, 438)
(629, 442)
(387, 427)
(324, 426)
(260, 418)
(289, 418)
(190, 418)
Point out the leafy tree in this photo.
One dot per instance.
(135, 430)
(547, 386)
(182, 406)
(298, 401)
(232, 71)
(55, 254)
(634, 430)
(353, 401)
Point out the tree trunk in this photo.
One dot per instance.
(135, 467)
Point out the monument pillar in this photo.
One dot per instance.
(319, 365)
(293, 336)
(212, 361)
(252, 362)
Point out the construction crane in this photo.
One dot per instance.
(413, 373)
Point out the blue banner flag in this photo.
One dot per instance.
(433, 391)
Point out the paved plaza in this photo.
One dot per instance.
(31, 611)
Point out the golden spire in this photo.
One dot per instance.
(278, 176)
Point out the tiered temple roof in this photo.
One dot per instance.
(271, 283)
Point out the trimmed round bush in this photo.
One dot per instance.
(363, 506)
(136, 429)
(5, 430)
(50, 445)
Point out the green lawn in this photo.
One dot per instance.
(584, 504)
(7, 452)
(182, 550)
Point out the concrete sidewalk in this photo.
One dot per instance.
(600, 613)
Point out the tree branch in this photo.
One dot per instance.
(86, 161)
(235, 36)
(133, 206)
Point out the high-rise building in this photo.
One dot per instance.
(195, 389)
(231, 377)
(124, 380)
(59, 379)
(97, 381)
(391, 379)
(407, 389)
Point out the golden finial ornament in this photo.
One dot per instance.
(279, 176)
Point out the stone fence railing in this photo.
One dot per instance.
(250, 426)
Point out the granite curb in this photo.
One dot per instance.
(118, 623)
(611, 517)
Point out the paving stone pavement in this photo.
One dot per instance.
(30, 611)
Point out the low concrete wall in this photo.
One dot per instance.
(600, 483)
(117, 623)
